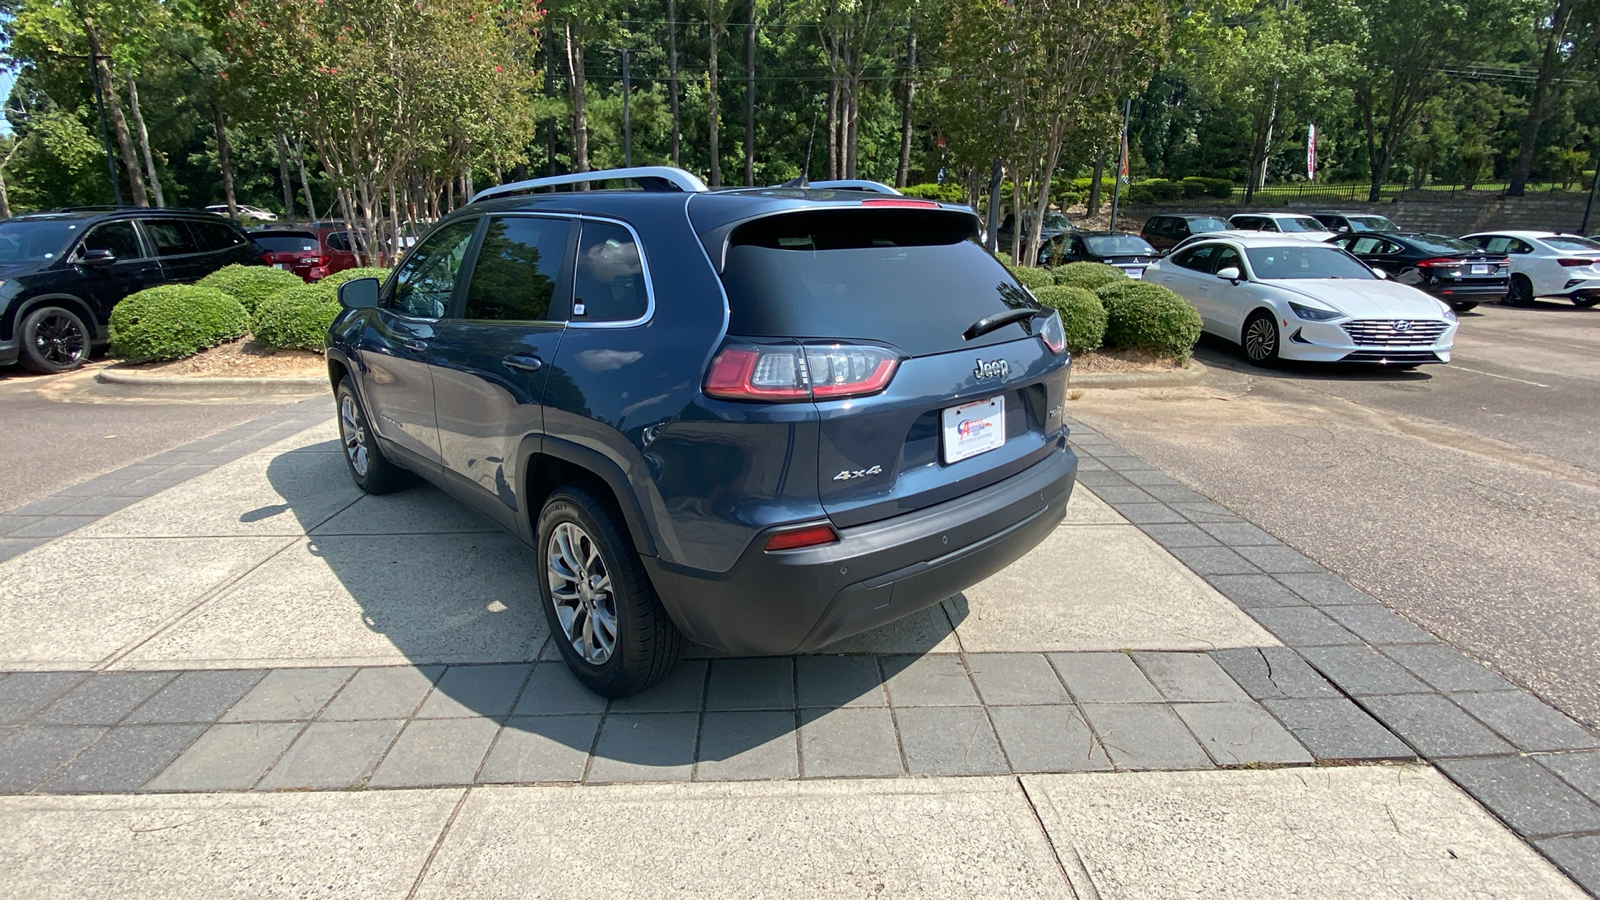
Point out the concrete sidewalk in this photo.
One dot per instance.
(1160, 699)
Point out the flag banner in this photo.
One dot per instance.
(1311, 153)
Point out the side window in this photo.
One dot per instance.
(1180, 228)
(1520, 246)
(609, 284)
(1227, 256)
(426, 280)
(1390, 248)
(118, 237)
(1365, 245)
(171, 237)
(214, 236)
(518, 265)
(1198, 258)
(339, 240)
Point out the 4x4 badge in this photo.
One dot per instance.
(848, 474)
(997, 369)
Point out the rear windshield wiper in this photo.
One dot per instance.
(999, 320)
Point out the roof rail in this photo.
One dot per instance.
(651, 178)
(854, 184)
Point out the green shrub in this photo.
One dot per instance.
(173, 321)
(1195, 186)
(1030, 277)
(298, 318)
(1082, 314)
(1144, 316)
(1155, 190)
(339, 278)
(949, 192)
(250, 284)
(1088, 275)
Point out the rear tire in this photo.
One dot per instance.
(52, 340)
(1586, 302)
(1260, 339)
(372, 471)
(1520, 292)
(604, 614)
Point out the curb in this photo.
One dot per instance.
(1191, 373)
(125, 377)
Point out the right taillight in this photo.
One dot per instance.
(1573, 262)
(791, 372)
(1053, 333)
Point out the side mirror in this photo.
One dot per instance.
(97, 258)
(1231, 273)
(1381, 274)
(359, 293)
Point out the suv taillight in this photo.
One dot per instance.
(790, 372)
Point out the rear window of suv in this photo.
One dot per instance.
(916, 279)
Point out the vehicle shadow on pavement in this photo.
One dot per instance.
(1220, 354)
(456, 597)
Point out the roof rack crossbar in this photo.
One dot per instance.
(649, 177)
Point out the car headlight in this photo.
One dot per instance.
(1314, 314)
(1449, 314)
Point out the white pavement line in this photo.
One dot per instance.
(1460, 368)
(1365, 831)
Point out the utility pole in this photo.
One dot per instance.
(1122, 164)
(105, 132)
(627, 123)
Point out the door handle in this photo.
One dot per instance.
(523, 362)
(414, 344)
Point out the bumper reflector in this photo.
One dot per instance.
(808, 536)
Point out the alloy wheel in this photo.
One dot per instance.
(581, 592)
(59, 338)
(1260, 339)
(354, 434)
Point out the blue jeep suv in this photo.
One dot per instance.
(761, 420)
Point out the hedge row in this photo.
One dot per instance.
(178, 320)
(1101, 306)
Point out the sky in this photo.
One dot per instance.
(7, 78)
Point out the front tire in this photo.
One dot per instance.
(53, 340)
(1464, 307)
(1260, 339)
(1520, 292)
(372, 471)
(603, 612)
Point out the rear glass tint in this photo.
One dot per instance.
(285, 243)
(916, 279)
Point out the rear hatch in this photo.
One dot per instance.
(1128, 252)
(295, 251)
(963, 407)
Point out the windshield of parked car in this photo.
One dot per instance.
(1310, 261)
(1438, 243)
(39, 240)
(1299, 224)
(1118, 245)
(1572, 242)
(1370, 223)
(285, 243)
(1205, 224)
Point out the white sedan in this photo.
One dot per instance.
(1285, 298)
(1546, 264)
(245, 212)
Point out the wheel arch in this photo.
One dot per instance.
(548, 463)
(98, 332)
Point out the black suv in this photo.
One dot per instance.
(761, 420)
(61, 272)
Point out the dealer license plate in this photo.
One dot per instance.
(284, 266)
(973, 428)
(1480, 269)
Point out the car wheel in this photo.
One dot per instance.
(1586, 302)
(1464, 307)
(603, 612)
(1260, 339)
(53, 340)
(1520, 292)
(372, 471)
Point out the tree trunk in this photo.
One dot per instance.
(1536, 108)
(119, 124)
(713, 101)
(833, 127)
(305, 181)
(223, 161)
(283, 174)
(750, 97)
(903, 171)
(144, 142)
(672, 76)
(580, 115)
(1095, 180)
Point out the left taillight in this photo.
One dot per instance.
(791, 372)
(1053, 333)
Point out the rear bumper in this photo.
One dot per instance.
(800, 600)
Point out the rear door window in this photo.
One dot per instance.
(213, 236)
(171, 237)
(915, 278)
(1197, 258)
(519, 264)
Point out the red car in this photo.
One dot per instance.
(311, 254)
